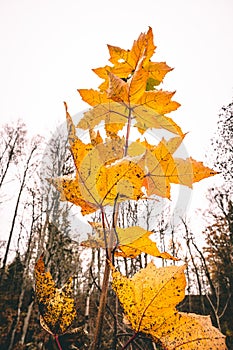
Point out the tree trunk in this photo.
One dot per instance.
(26, 323)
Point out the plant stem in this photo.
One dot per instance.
(57, 341)
(127, 133)
(104, 291)
(100, 317)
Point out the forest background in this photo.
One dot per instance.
(32, 217)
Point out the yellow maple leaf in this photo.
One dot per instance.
(149, 301)
(56, 306)
(125, 61)
(133, 241)
(172, 170)
(131, 91)
(127, 82)
(124, 178)
(189, 171)
(98, 178)
(114, 114)
(147, 118)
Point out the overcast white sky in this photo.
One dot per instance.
(48, 48)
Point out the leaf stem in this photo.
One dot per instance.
(101, 309)
(105, 233)
(57, 341)
(128, 132)
(129, 341)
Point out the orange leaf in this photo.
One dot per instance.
(157, 71)
(102, 73)
(135, 240)
(118, 89)
(93, 97)
(190, 171)
(159, 101)
(162, 169)
(137, 83)
(126, 61)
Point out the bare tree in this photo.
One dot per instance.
(12, 142)
(28, 168)
(222, 143)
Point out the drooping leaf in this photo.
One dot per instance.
(130, 242)
(78, 149)
(70, 191)
(149, 301)
(56, 306)
(102, 173)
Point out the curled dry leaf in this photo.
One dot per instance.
(56, 306)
